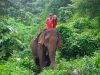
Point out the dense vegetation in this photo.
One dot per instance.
(79, 26)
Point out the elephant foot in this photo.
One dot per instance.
(54, 66)
(37, 72)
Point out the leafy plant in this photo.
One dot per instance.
(9, 40)
(76, 44)
(82, 23)
(65, 13)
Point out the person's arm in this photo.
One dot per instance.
(55, 21)
(52, 23)
(47, 21)
(55, 24)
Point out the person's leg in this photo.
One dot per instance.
(39, 34)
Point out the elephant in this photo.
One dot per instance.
(44, 48)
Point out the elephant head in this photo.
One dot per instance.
(45, 36)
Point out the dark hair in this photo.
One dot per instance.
(50, 14)
(56, 20)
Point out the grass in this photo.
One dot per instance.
(84, 65)
(21, 63)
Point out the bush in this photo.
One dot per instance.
(83, 66)
(27, 60)
(82, 44)
(65, 31)
(64, 14)
(9, 40)
(65, 34)
(28, 63)
(13, 67)
(21, 63)
(81, 23)
(76, 44)
(87, 8)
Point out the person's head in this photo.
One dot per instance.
(50, 15)
(55, 17)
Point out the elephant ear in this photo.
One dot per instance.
(60, 43)
(41, 39)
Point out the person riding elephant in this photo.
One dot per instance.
(44, 48)
(51, 22)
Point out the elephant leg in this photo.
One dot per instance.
(52, 50)
(36, 60)
(47, 60)
(41, 53)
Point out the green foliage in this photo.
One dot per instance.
(4, 5)
(20, 15)
(81, 44)
(56, 4)
(9, 40)
(65, 13)
(94, 23)
(22, 11)
(53, 7)
(24, 19)
(20, 63)
(65, 34)
(23, 30)
(83, 66)
(88, 8)
(83, 37)
(82, 23)
(76, 44)
(27, 62)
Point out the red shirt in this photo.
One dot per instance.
(50, 23)
(54, 24)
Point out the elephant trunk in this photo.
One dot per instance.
(52, 51)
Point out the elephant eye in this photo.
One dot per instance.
(47, 40)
